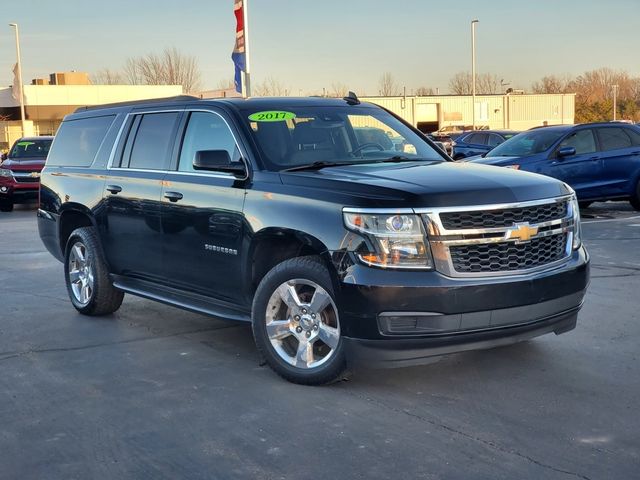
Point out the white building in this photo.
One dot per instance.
(46, 105)
(510, 111)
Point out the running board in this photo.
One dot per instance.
(179, 298)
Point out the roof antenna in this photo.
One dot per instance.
(352, 99)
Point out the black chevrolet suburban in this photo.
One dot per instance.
(340, 248)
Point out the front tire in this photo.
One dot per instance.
(635, 198)
(87, 276)
(6, 206)
(296, 325)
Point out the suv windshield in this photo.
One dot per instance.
(30, 149)
(307, 135)
(527, 143)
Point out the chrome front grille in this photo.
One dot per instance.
(494, 240)
(505, 217)
(21, 176)
(508, 256)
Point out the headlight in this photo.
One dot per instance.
(5, 172)
(396, 240)
(577, 229)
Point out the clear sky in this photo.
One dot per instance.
(310, 44)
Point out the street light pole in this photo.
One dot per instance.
(22, 115)
(615, 101)
(473, 70)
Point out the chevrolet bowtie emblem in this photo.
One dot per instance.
(521, 232)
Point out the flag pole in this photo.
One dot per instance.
(247, 71)
(22, 115)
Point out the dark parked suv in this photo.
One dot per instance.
(600, 161)
(337, 247)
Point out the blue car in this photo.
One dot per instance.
(476, 143)
(600, 161)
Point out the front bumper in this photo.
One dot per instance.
(16, 192)
(446, 315)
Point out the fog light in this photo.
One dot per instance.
(3, 189)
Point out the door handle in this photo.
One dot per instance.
(173, 196)
(115, 189)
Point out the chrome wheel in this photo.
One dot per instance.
(302, 323)
(81, 278)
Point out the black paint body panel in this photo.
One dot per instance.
(206, 243)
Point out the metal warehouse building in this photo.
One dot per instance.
(509, 111)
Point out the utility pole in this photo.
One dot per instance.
(615, 101)
(473, 70)
(20, 87)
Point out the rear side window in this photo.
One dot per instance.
(475, 139)
(151, 148)
(635, 136)
(494, 140)
(77, 141)
(613, 139)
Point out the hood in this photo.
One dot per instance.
(500, 161)
(426, 184)
(30, 164)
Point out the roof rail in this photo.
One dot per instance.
(178, 98)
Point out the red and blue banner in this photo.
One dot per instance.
(239, 53)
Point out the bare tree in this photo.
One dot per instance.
(339, 90)
(387, 85)
(270, 87)
(181, 69)
(132, 73)
(171, 67)
(486, 84)
(460, 83)
(551, 84)
(424, 91)
(107, 77)
(228, 84)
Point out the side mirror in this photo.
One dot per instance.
(218, 161)
(566, 152)
(3, 157)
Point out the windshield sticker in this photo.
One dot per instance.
(271, 116)
(25, 144)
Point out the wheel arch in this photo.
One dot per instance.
(73, 216)
(273, 245)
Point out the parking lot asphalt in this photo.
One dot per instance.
(156, 392)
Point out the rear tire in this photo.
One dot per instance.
(296, 325)
(635, 198)
(6, 206)
(87, 276)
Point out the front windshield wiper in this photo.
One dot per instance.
(401, 158)
(318, 166)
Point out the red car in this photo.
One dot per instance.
(20, 171)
